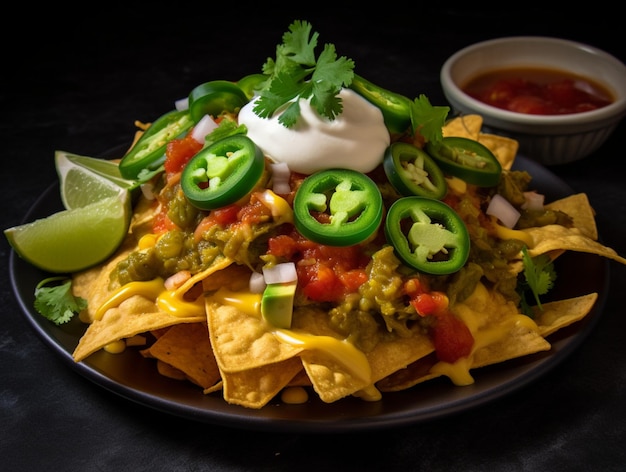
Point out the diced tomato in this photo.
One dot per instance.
(325, 273)
(423, 300)
(320, 283)
(451, 337)
(222, 216)
(179, 152)
(255, 211)
(226, 215)
(282, 246)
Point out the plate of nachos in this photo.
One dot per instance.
(308, 251)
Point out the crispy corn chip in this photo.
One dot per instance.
(415, 373)
(331, 379)
(556, 315)
(187, 348)
(134, 316)
(169, 371)
(242, 341)
(94, 285)
(505, 149)
(464, 126)
(500, 333)
(254, 388)
(577, 206)
(555, 237)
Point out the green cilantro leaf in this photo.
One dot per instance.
(227, 127)
(539, 274)
(57, 303)
(295, 73)
(428, 120)
(298, 44)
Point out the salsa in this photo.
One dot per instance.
(538, 91)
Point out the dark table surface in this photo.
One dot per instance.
(79, 84)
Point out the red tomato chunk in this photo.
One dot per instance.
(326, 273)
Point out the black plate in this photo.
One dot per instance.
(135, 378)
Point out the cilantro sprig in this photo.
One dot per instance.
(539, 277)
(55, 301)
(428, 120)
(296, 73)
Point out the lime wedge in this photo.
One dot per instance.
(73, 240)
(85, 180)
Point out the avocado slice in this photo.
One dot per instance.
(277, 304)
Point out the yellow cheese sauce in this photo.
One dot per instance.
(171, 301)
(475, 314)
(342, 351)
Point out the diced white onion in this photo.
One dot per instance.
(280, 273)
(182, 104)
(257, 282)
(204, 127)
(534, 201)
(281, 188)
(500, 208)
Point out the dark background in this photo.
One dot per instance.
(77, 79)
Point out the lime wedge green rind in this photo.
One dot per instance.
(85, 180)
(103, 167)
(73, 240)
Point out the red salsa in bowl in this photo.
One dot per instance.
(538, 91)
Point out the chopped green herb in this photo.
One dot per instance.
(56, 302)
(295, 73)
(539, 277)
(428, 120)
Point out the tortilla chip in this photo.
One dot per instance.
(187, 348)
(169, 371)
(520, 341)
(500, 333)
(505, 149)
(134, 316)
(331, 379)
(242, 341)
(555, 237)
(577, 206)
(301, 379)
(94, 285)
(413, 374)
(556, 315)
(464, 126)
(215, 388)
(390, 355)
(254, 388)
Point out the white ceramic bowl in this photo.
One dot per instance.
(550, 140)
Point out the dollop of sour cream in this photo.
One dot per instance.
(356, 139)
